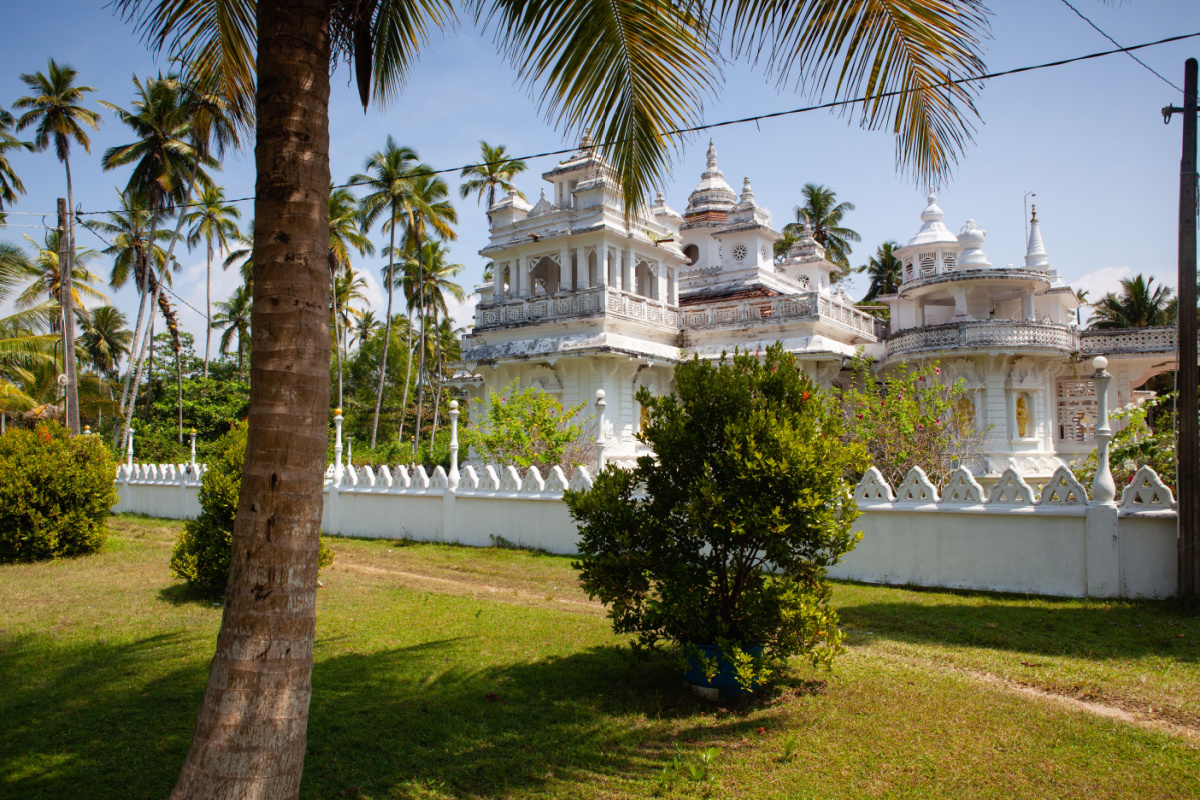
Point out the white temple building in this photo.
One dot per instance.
(581, 301)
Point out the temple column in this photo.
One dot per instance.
(627, 269)
(497, 281)
(581, 268)
(565, 279)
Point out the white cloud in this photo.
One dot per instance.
(1102, 281)
(462, 312)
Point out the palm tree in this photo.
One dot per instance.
(54, 107)
(105, 340)
(496, 170)
(824, 213)
(165, 165)
(1140, 305)
(345, 234)
(390, 185)
(45, 278)
(884, 270)
(242, 255)
(233, 317)
(366, 327)
(436, 284)
(630, 71)
(213, 221)
(10, 184)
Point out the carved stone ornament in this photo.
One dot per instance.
(962, 488)
(1146, 492)
(1063, 488)
(1011, 489)
(916, 488)
(873, 488)
(581, 481)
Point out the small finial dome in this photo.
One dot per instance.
(932, 212)
(711, 156)
(971, 241)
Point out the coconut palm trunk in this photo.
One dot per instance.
(387, 331)
(250, 739)
(207, 307)
(133, 370)
(407, 377)
(337, 329)
(421, 339)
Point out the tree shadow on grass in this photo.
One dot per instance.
(114, 721)
(182, 594)
(1099, 629)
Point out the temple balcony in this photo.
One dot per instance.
(1128, 340)
(989, 335)
(564, 306)
(809, 305)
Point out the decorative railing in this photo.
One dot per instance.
(1127, 340)
(985, 334)
(579, 303)
(809, 304)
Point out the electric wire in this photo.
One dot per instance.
(1118, 44)
(774, 114)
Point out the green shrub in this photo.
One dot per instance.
(56, 493)
(530, 428)
(746, 505)
(201, 556)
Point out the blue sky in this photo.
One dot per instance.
(1088, 138)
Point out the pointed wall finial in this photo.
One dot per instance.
(712, 155)
(659, 199)
(747, 191)
(1035, 253)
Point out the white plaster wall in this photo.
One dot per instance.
(529, 522)
(1148, 554)
(383, 515)
(1017, 551)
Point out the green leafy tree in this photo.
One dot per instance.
(214, 222)
(495, 170)
(1140, 304)
(884, 270)
(746, 505)
(530, 428)
(912, 417)
(824, 214)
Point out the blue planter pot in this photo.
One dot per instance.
(724, 684)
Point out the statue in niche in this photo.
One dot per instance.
(966, 410)
(1022, 416)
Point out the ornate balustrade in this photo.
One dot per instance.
(1014, 334)
(573, 304)
(1127, 340)
(809, 304)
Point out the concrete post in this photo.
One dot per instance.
(581, 269)
(1104, 490)
(454, 476)
(193, 447)
(129, 450)
(600, 431)
(1103, 550)
(338, 469)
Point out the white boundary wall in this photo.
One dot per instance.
(1010, 538)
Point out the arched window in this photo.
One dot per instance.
(544, 277)
(646, 281)
(692, 253)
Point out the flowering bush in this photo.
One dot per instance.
(912, 418)
(530, 428)
(1147, 438)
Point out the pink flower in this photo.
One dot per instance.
(920, 426)
(937, 422)
(937, 370)
(860, 416)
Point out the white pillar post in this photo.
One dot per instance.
(454, 476)
(581, 268)
(129, 450)
(627, 270)
(1104, 489)
(497, 282)
(338, 469)
(565, 282)
(193, 447)
(600, 431)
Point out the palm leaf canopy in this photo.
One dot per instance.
(53, 107)
(634, 72)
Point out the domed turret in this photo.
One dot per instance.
(934, 250)
(712, 199)
(971, 241)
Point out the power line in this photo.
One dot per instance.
(1118, 44)
(775, 114)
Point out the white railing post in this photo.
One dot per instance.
(454, 476)
(129, 451)
(193, 447)
(600, 430)
(338, 469)
(1104, 489)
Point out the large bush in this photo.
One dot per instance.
(201, 556)
(746, 505)
(56, 493)
(530, 428)
(912, 417)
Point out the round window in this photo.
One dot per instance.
(739, 252)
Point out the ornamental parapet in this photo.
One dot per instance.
(985, 335)
(811, 305)
(577, 304)
(1127, 340)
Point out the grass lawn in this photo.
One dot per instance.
(446, 672)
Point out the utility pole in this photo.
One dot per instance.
(65, 268)
(1187, 452)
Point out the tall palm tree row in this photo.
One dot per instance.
(630, 71)
(213, 222)
(54, 109)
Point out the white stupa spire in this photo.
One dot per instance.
(1035, 254)
(712, 196)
